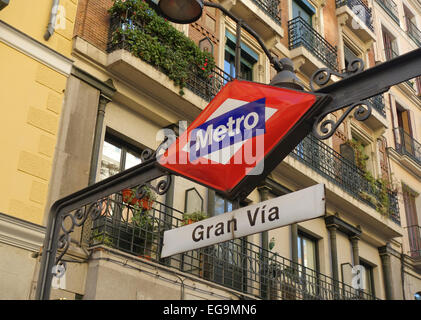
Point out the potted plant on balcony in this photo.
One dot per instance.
(189, 218)
(138, 235)
(146, 202)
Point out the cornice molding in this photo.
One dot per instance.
(34, 49)
(406, 162)
(21, 233)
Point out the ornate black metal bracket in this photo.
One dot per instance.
(322, 76)
(357, 85)
(328, 127)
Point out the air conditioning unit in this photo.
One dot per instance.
(3, 3)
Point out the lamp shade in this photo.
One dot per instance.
(181, 11)
(287, 78)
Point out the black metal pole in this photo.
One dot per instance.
(238, 50)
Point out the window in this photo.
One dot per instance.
(247, 61)
(117, 156)
(307, 258)
(307, 251)
(222, 205)
(368, 281)
(390, 45)
(349, 55)
(405, 142)
(301, 8)
(224, 261)
(414, 237)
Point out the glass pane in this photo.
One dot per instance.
(298, 11)
(229, 206)
(309, 251)
(110, 163)
(219, 205)
(131, 160)
(300, 251)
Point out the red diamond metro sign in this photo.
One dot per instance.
(242, 135)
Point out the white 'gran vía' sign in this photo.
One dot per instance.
(294, 207)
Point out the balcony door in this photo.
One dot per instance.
(405, 132)
(412, 222)
(247, 61)
(390, 45)
(224, 261)
(301, 8)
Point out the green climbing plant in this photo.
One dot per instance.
(154, 40)
(381, 187)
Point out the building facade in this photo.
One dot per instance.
(134, 78)
(35, 65)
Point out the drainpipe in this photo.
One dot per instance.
(52, 21)
(103, 101)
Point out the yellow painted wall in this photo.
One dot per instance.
(31, 18)
(31, 99)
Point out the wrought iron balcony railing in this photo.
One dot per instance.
(205, 87)
(272, 8)
(302, 34)
(236, 264)
(413, 32)
(391, 9)
(407, 145)
(377, 102)
(414, 237)
(333, 166)
(360, 9)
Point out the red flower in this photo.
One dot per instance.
(205, 64)
(203, 68)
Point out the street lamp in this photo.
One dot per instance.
(181, 11)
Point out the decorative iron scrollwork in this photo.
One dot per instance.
(69, 221)
(363, 110)
(322, 76)
(328, 126)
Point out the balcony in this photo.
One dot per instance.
(272, 8)
(413, 32)
(204, 86)
(355, 12)
(334, 167)
(236, 264)
(391, 9)
(377, 119)
(263, 16)
(377, 103)
(307, 44)
(406, 145)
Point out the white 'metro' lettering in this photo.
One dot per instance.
(232, 128)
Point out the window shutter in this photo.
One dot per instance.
(384, 167)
